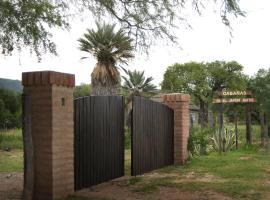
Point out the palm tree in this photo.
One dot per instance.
(109, 47)
(135, 84)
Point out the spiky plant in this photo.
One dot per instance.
(110, 48)
(223, 140)
(136, 84)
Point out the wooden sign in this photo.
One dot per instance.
(235, 93)
(235, 100)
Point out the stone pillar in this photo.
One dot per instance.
(180, 104)
(51, 112)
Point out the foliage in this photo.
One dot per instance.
(109, 47)
(136, 84)
(223, 140)
(27, 23)
(82, 90)
(202, 81)
(10, 109)
(198, 141)
(260, 87)
(147, 21)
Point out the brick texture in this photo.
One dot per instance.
(51, 95)
(180, 104)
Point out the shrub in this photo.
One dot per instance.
(198, 141)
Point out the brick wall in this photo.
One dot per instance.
(51, 111)
(180, 104)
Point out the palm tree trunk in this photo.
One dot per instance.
(108, 90)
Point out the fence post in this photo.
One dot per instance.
(180, 104)
(51, 111)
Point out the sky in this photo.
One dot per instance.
(208, 40)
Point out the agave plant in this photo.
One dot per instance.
(110, 48)
(223, 140)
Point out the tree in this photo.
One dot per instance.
(225, 76)
(190, 78)
(259, 85)
(28, 23)
(81, 90)
(135, 84)
(10, 109)
(202, 81)
(108, 47)
(148, 20)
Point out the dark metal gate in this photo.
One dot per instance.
(98, 140)
(151, 136)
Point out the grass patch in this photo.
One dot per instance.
(241, 174)
(11, 161)
(134, 179)
(11, 139)
(151, 185)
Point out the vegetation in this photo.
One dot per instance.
(11, 139)
(28, 23)
(10, 109)
(203, 81)
(10, 84)
(11, 161)
(82, 90)
(136, 84)
(223, 140)
(229, 174)
(109, 47)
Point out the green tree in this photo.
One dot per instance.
(81, 90)
(260, 87)
(27, 23)
(147, 20)
(109, 47)
(191, 78)
(202, 81)
(10, 109)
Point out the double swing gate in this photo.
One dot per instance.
(99, 138)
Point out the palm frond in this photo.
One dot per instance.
(107, 45)
(136, 83)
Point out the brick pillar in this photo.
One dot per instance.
(51, 112)
(180, 104)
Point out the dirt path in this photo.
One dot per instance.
(11, 185)
(120, 190)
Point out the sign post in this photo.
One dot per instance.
(221, 100)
